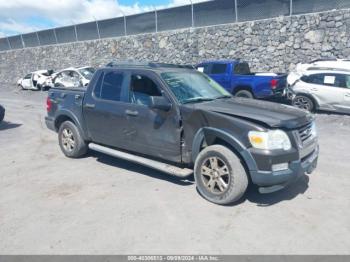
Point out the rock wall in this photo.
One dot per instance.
(268, 45)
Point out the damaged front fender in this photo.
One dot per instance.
(208, 135)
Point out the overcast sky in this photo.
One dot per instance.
(23, 16)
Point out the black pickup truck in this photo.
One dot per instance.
(180, 121)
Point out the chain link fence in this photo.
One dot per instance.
(192, 15)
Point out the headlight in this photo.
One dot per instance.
(273, 139)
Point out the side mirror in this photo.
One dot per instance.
(159, 102)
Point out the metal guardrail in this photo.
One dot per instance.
(192, 15)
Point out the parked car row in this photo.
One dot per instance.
(46, 79)
(320, 85)
(323, 84)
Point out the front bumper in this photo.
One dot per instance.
(275, 180)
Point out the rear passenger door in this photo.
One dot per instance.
(150, 131)
(326, 87)
(104, 109)
(343, 85)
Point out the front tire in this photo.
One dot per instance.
(71, 142)
(220, 176)
(244, 94)
(304, 102)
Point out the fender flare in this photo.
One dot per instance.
(69, 114)
(228, 138)
(240, 87)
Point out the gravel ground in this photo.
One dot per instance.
(50, 204)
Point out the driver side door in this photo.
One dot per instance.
(149, 131)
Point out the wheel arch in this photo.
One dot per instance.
(68, 116)
(238, 88)
(211, 136)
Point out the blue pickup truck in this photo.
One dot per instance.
(235, 77)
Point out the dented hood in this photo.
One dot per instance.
(266, 113)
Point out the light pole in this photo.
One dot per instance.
(98, 29)
(236, 11)
(124, 21)
(192, 13)
(156, 18)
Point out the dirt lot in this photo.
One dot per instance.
(50, 204)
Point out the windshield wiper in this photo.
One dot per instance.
(224, 96)
(197, 99)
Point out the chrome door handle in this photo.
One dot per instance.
(77, 97)
(347, 95)
(89, 105)
(131, 112)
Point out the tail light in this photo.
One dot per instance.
(273, 83)
(48, 104)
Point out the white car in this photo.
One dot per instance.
(37, 80)
(324, 64)
(323, 89)
(73, 77)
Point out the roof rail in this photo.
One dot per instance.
(323, 60)
(328, 69)
(131, 63)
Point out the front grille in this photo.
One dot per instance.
(305, 132)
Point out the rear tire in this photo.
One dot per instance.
(70, 140)
(220, 176)
(304, 102)
(244, 94)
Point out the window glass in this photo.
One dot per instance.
(338, 80)
(87, 72)
(218, 69)
(97, 89)
(203, 69)
(141, 89)
(347, 81)
(242, 69)
(112, 86)
(192, 86)
(29, 76)
(335, 80)
(314, 79)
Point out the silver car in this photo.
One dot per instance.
(323, 89)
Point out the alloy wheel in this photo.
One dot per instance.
(303, 103)
(68, 140)
(215, 175)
